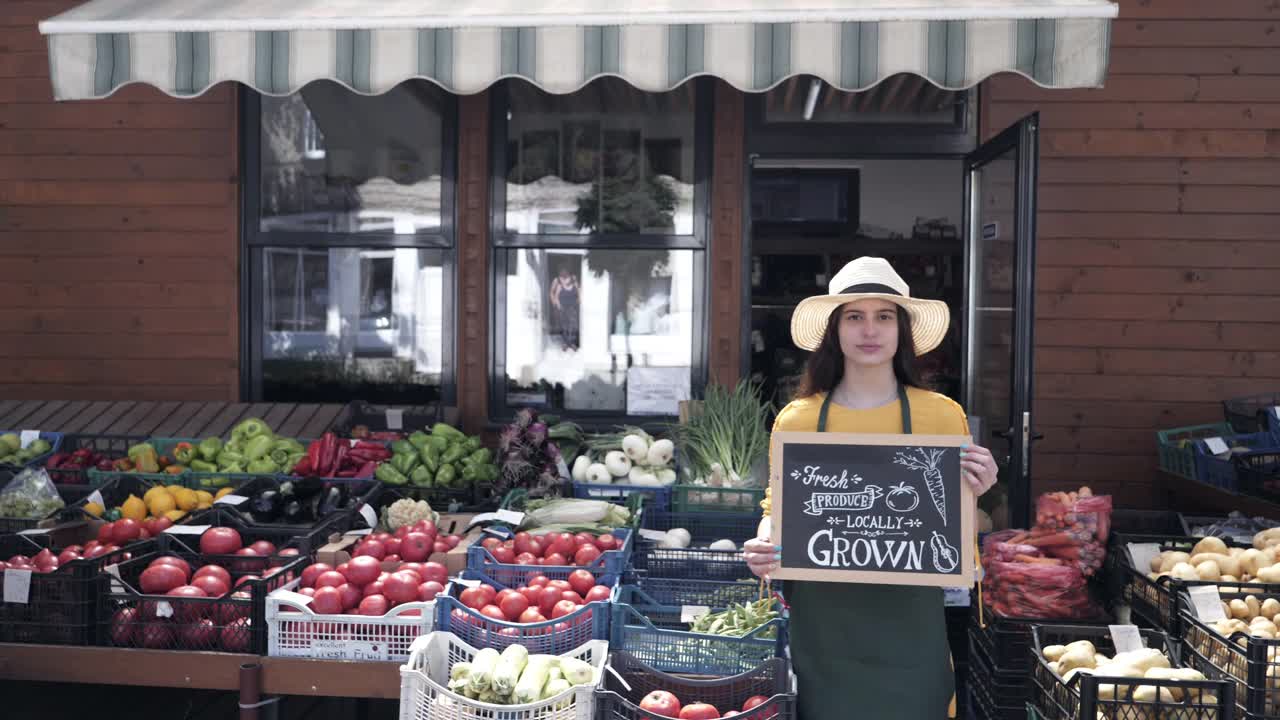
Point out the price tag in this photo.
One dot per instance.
(17, 586)
(1142, 555)
(510, 517)
(1207, 603)
(187, 529)
(230, 499)
(164, 609)
(34, 531)
(117, 585)
(562, 468)
(395, 419)
(96, 497)
(468, 583)
(26, 437)
(500, 532)
(369, 514)
(689, 613)
(1126, 638)
(655, 535)
(955, 597)
(348, 650)
(358, 533)
(291, 596)
(1216, 446)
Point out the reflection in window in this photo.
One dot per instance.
(347, 322)
(576, 320)
(572, 168)
(334, 161)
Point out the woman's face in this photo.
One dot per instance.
(869, 332)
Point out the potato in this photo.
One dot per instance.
(1229, 578)
(1265, 626)
(1234, 551)
(1156, 562)
(1208, 570)
(1184, 571)
(1267, 538)
(1053, 652)
(1163, 673)
(1270, 607)
(1252, 560)
(1077, 657)
(1210, 545)
(1263, 633)
(1269, 574)
(1255, 607)
(1238, 609)
(1172, 558)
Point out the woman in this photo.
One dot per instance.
(869, 652)
(564, 300)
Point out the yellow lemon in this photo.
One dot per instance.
(94, 509)
(204, 496)
(173, 489)
(176, 515)
(133, 508)
(152, 492)
(187, 499)
(161, 504)
(204, 506)
(223, 491)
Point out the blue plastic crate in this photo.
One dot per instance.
(656, 635)
(1224, 473)
(552, 637)
(610, 562)
(53, 438)
(656, 497)
(1174, 447)
(704, 527)
(681, 591)
(1255, 413)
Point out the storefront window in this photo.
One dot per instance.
(349, 238)
(607, 160)
(602, 268)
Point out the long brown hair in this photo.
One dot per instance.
(825, 367)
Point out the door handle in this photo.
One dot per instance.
(1003, 434)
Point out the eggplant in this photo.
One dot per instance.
(265, 506)
(308, 487)
(329, 501)
(294, 512)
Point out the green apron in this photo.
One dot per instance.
(869, 652)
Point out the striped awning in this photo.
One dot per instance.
(184, 47)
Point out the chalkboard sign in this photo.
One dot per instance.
(890, 509)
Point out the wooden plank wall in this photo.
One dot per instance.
(118, 237)
(1159, 236)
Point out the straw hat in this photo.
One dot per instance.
(869, 277)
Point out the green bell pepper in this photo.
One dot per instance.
(209, 448)
(445, 476)
(447, 431)
(389, 475)
(292, 461)
(185, 452)
(470, 474)
(248, 429)
(417, 439)
(38, 447)
(454, 454)
(404, 464)
(403, 447)
(235, 467)
(283, 449)
(479, 456)
(112, 515)
(441, 444)
(430, 457)
(421, 477)
(473, 444)
(257, 447)
(263, 466)
(202, 466)
(228, 457)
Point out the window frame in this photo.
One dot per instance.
(502, 242)
(254, 241)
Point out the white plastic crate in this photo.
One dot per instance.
(424, 679)
(293, 630)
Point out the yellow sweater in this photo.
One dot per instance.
(931, 414)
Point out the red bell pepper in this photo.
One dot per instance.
(367, 470)
(339, 456)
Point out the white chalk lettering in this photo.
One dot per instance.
(826, 549)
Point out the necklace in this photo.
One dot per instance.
(845, 400)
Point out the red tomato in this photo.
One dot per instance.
(560, 584)
(490, 592)
(562, 543)
(490, 543)
(699, 711)
(536, 548)
(351, 595)
(393, 546)
(581, 581)
(428, 590)
(521, 539)
(174, 561)
(126, 531)
(220, 541)
(599, 593)
(503, 594)
(401, 587)
(583, 538)
(362, 570)
(548, 598)
(98, 551)
(244, 579)
(211, 584)
(504, 555)
(216, 571)
(754, 701)
(160, 579)
(161, 524)
(414, 573)
(199, 635)
(68, 555)
(572, 597)
(329, 578)
(493, 612)
(309, 592)
(373, 588)
(246, 566)
(229, 612)
(375, 605)
(661, 702)
(106, 533)
(381, 537)
(452, 540)
(123, 627)
(156, 635)
(372, 548)
(327, 600)
(532, 594)
(532, 616)
(586, 555)
(439, 546)
(427, 527)
(525, 559)
(289, 552)
(391, 559)
(188, 612)
(402, 531)
(562, 608)
(236, 636)
(263, 548)
(435, 571)
(538, 580)
(416, 547)
(513, 606)
(472, 598)
(555, 560)
(607, 542)
(89, 546)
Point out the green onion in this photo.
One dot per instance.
(730, 430)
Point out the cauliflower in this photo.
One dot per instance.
(407, 512)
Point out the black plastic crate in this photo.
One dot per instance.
(1146, 522)
(1079, 699)
(619, 701)
(113, 446)
(1237, 526)
(349, 496)
(1250, 414)
(1253, 663)
(297, 540)
(61, 607)
(1258, 473)
(129, 618)
(995, 695)
(1007, 641)
(374, 418)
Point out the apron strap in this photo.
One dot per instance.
(902, 402)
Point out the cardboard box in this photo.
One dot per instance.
(339, 548)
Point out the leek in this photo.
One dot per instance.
(576, 672)
(482, 666)
(507, 673)
(555, 687)
(533, 679)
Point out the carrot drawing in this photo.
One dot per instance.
(927, 462)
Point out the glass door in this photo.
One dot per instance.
(1000, 188)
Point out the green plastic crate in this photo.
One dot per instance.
(204, 480)
(700, 498)
(1181, 461)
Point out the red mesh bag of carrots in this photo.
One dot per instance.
(1000, 546)
(1071, 527)
(1041, 589)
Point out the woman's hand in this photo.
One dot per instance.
(979, 468)
(762, 556)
